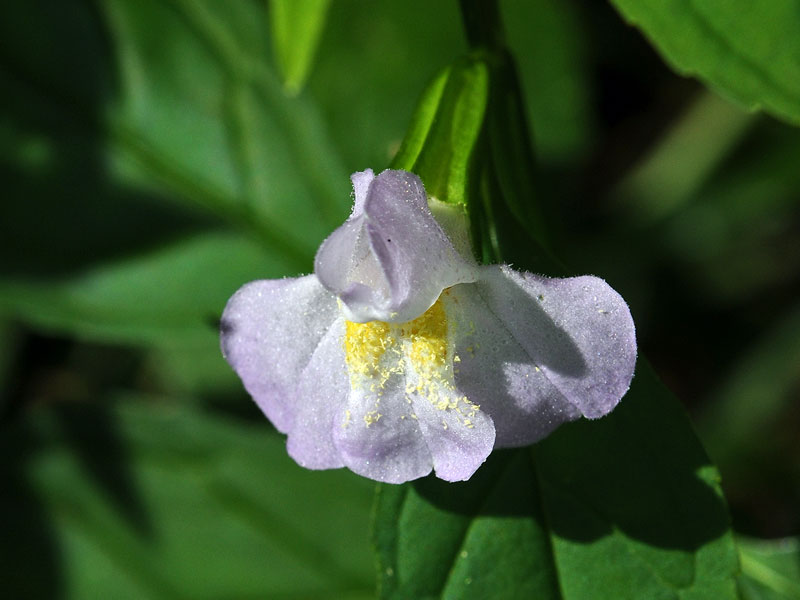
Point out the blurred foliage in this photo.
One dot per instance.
(771, 569)
(152, 162)
(157, 500)
(296, 27)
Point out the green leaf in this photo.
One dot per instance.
(481, 539)
(296, 27)
(148, 499)
(750, 53)
(118, 197)
(174, 292)
(202, 112)
(624, 507)
(770, 569)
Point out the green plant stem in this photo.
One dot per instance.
(482, 24)
(515, 230)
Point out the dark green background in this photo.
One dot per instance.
(151, 163)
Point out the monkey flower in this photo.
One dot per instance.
(401, 355)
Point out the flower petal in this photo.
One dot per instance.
(391, 259)
(459, 442)
(581, 333)
(537, 352)
(578, 331)
(361, 182)
(322, 391)
(378, 436)
(269, 332)
(495, 372)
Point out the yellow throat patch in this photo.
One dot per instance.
(418, 350)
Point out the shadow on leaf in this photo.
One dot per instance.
(639, 470)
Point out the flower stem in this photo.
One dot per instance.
(507, 220)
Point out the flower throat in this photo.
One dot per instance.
(425, 339)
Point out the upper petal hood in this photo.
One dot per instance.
(390, 260)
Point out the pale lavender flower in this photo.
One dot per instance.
(401, 355)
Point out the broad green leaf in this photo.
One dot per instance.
(770, 569)
(749, 53)
(624, 507)
(147, 499)
(638, 489)
(173, 292)
(296, 27)
(481, 539)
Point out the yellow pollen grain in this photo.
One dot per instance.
(364, 344)
(428, 335)
(371, 417)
